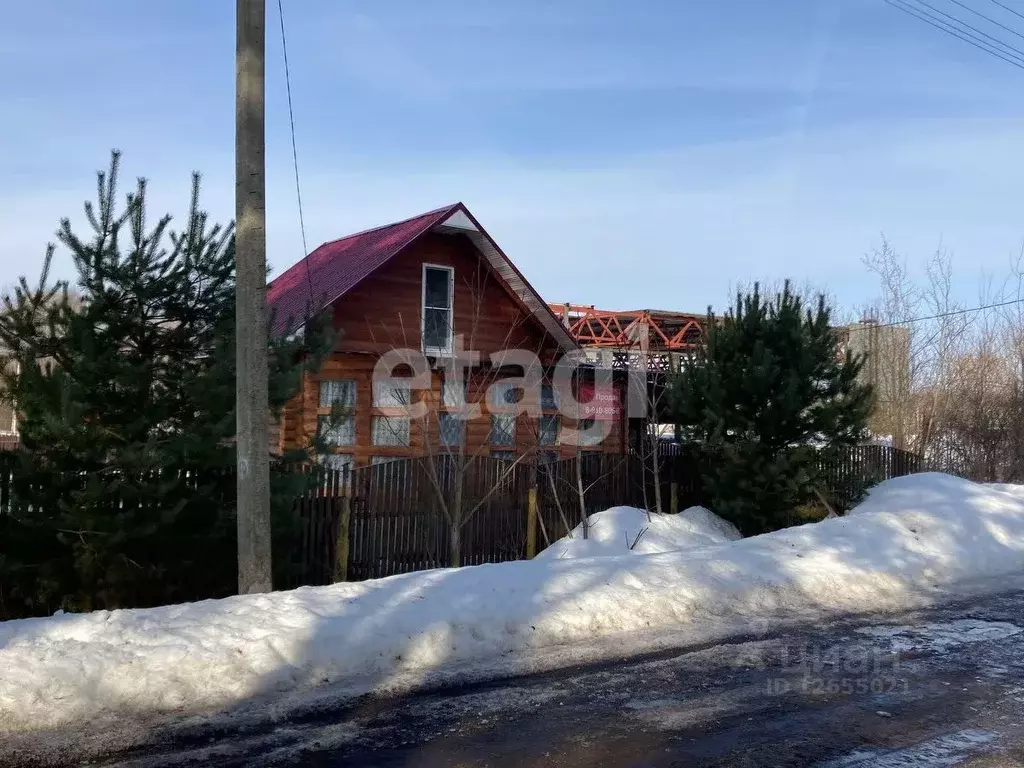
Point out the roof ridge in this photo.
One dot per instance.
(389, 224)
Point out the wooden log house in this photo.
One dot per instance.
(420, 284)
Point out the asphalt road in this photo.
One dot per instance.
(941, 687)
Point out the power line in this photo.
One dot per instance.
(955, 32)
(952, 313)
(949, 29)
(1009, 48)
(295, 153)
(1008, 8)
(989, 19)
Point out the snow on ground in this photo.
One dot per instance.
(943, 637)
(937, 752)
(625, 530)
(911, 535)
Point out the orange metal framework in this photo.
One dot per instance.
(645, 328)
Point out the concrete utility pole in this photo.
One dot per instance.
(251, 301)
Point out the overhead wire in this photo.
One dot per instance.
(295, 153)
(989, 19)
(961, 23)
(951, 313)
(1008, 8)
(955, 32)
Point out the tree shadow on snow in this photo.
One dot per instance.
(336, 651)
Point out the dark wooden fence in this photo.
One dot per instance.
(847, 472)
(403, 513)
(606, 480)
(391, 518)
(398, 516)
(844, 473)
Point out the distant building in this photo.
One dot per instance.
(886, 349)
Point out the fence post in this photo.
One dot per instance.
(341, 552)
(531, 515)
(674, 496)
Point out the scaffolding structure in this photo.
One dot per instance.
(648, 339)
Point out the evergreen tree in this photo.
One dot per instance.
(770, 389)
(123, 487)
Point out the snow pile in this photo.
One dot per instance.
(621, 530)
(1013, 490)
(911, 534)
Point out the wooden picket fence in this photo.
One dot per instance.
(397, 516)
(606, 480)
(846, 470)
(403, 512)
(390, 518)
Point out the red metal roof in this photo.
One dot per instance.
(336, 267)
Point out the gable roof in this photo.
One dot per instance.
(336, 267)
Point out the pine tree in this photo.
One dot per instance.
(770, 389)
(123, 489)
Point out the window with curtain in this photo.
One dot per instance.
(452, 428)
(390, 430)
(337, 432)
(505, 393)
(392, 394)
(338, 392)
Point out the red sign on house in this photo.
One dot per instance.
(601, 403)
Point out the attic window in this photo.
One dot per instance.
(437, 319)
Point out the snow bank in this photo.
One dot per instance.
(614, 532)
(910, 535)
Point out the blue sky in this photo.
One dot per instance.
(646, 153)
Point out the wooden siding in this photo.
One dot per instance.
(300, 417)
(383, 312)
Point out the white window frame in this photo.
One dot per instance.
(437, 351)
